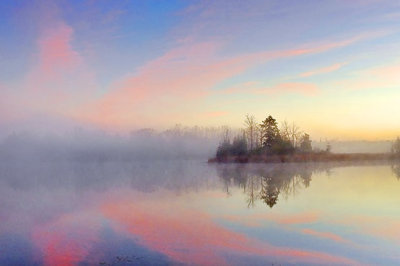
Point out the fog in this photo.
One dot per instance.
(145, 144)
(57, 191)
(85, 145)
(355, 146)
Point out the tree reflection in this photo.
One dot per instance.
(266, 183)
(251, 189)
(396, 170)
(306, 177)
(269, 191)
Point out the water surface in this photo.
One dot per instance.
(191, 212)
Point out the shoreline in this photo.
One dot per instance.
(306, 157)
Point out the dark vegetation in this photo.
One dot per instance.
(266, 142)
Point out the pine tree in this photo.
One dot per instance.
(269, 132)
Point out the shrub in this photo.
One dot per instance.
(239, 146)
(224, 149)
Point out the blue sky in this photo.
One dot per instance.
(122, 65)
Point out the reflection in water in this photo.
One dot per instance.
(266, 183)
(396, 170)
(190, 212)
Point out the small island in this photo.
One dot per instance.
(266, 143)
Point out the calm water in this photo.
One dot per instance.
(189, 212)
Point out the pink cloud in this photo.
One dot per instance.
(323, 47)
(55, 49)
(183, 75)
(322, 70)
(60, 72)
(381, 77)
(59, 80)
(180, 76)
(388, 72)
(62, 84)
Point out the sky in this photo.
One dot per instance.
(330, 66)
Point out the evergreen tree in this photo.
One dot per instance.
(269, 132)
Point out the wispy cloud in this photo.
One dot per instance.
(381, 77)
(186, 74)
(322, 70)
(278, 89)
(165, 89)
(290, 87)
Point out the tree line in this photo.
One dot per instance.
(396, 147)
(265, 138)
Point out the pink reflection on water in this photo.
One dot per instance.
(327, 235)
(384, 227)
(259, 219)
(67, 240)
(187, 235)
(178, 226)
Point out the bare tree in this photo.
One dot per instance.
(295, 134)
(226, 133)
(291, 132)
(251, 190)
(285, 131)
(251, 131)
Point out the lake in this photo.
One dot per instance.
(190, 212)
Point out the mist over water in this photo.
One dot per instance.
(151, 198)
(143, 145)
(80, 145)
(185, 211)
